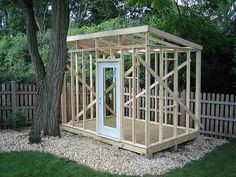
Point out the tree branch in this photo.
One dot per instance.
(31, 29)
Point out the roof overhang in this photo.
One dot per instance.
(155, 35)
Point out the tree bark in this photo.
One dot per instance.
(49, 79)
(56, 65)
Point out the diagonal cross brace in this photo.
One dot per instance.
(88, 87)
(156, 83)
(149, 69)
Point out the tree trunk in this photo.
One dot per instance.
(49, 80)
(50, 92)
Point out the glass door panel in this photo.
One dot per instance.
(109, 95)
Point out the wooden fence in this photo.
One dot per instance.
(218, 111)
(15, 96)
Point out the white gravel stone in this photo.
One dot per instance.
(104, 157)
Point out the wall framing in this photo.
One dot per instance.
(152, 63)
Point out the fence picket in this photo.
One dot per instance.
(226, 115)
(231, 109)
(218, 111)
(203, 111)
(221, 114)
(208, 112)
(212, 121)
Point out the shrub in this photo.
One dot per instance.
(18, 120)
(33, 138)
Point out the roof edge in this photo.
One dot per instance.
(174, 38)
(123, 31)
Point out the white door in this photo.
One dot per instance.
(108, 98)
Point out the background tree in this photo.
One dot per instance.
(43, 25)
(50, 77)
(209, 23)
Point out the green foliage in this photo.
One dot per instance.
(43, 41)
(112, 24)
(18, 119)
(108, 11)
(15, 61)
(34, 139)
(14, 58)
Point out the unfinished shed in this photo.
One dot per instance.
(122, 87)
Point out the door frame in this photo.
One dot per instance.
(109, 132)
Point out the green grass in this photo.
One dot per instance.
(219, 163)
(37, 164)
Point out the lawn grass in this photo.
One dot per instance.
(37, 164)
(219, 163)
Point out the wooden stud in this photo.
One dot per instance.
(198, 88)
(77, 83)
(156, 88)
(130, 93)
(161, 98)
(72, 92)
(134, 106)
(91, 84)
(147, 98)
(63, 101)
(175, 116)
(84, 88)
(96, 81)
(166, 82)
(168, 89)
(188, 89)
(157, 83)
(88, 87)
(122, 89)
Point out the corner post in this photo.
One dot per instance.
(134, 91)
(147, 88)
(188, 89)
(161, 92)
(122, 89)
(198, 88)
(175, 118)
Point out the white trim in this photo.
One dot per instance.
(109, 132)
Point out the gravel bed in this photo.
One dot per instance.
(105, 157)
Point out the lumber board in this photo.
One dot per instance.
(168, 89)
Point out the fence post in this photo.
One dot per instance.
(13, 96)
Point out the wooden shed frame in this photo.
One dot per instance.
(150, 63)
